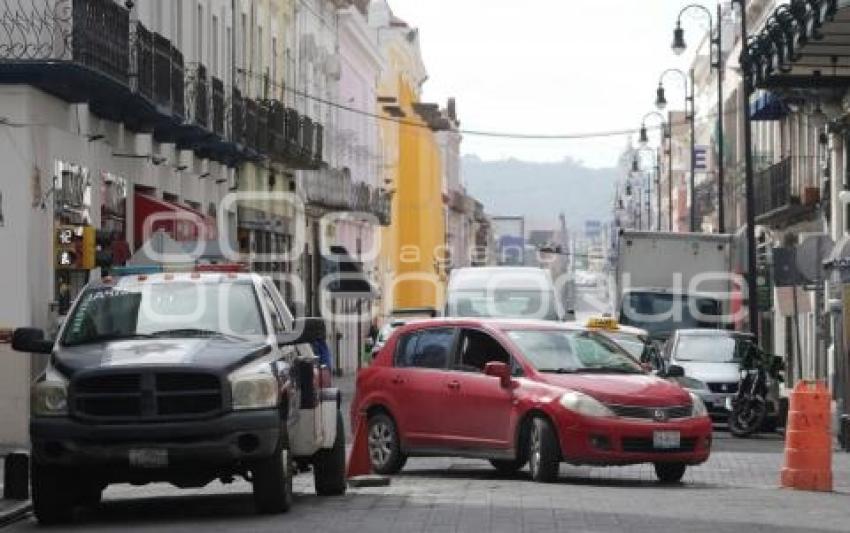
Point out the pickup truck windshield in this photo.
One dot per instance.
(171, 309)
(660, 313)
(503, 303)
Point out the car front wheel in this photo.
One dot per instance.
(384, 445)
(670, 472)
(544, 454)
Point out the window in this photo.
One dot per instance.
(215, 46)
(425, 349)
(477, 349)
(200, 42)
(277, 321)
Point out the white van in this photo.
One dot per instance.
(503, 292)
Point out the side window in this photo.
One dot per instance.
(425, 349)
(277, 320)
(477, 349)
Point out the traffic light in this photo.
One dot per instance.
(75, 247)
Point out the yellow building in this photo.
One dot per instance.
(411, 265)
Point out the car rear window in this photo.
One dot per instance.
(425, 349)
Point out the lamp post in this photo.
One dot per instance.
(661, 104)
(636, 171)
(748, 181)
(643, 139)
(679, 46)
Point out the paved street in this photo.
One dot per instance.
(735, 490)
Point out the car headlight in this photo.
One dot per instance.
(254, 391)
(698, 409)
(49, 398)
(584, 405)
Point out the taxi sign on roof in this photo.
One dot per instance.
(603, 323)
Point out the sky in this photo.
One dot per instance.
(549, 67)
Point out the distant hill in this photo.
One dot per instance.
(540, 191)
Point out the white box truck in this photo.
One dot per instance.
(668, 281)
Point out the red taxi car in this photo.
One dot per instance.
(517, 392)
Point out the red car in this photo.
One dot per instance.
(517, 392)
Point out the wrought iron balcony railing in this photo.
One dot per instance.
(93, 33)
(142, 61)
(162, 70)
(773, 188)
(197, 95)
(178, 83)
(249, 133)
(218, 107)
(237, 116)
(262, 126)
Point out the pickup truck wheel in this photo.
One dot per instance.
(52, 495)
(384, 445)
(329, 465)
(544, 452)
(670, 472)
(272, 480)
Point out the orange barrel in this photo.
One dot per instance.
(808, 439)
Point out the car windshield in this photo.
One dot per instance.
(710, 348)
(503, 303)
(634, 344)
(563, 351)
(163, 310)
(661, 313)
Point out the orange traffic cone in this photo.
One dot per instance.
(359, 471)
(359, 463)
(808, 441)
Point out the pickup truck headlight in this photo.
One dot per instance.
(698, 409)
(49, 398)
(585, 405)
(254, 391)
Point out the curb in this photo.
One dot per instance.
(11, 513)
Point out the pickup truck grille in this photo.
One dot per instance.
(659, 414)
(148, 396)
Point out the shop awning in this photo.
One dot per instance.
(767, 105)
(803, 44)
(180, 222)
(345, 276)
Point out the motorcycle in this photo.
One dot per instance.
(749, 407)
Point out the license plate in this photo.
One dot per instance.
(149, 458)
(666, 439)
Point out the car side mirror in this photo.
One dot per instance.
(674, 371)
(31, 340)
(304, 331)
(499, 370)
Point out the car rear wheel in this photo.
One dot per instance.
(272, 480)
(670, 472)
(52, 494)
(544, 454)
(384, 445)
(329, 465)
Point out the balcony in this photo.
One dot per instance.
(78, 51)
(307, 139)
(262, 127)
(162, 71)
(249, 132)
(777, 203)
(197, 95)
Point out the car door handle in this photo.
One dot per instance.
(398, 380)
(454, 385)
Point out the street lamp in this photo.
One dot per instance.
(636, 171)
(679, 46)
(661, 103)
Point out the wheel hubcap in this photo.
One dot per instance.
(535, 451)
(381, 443)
